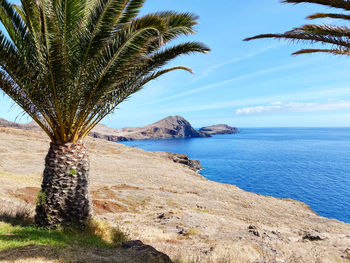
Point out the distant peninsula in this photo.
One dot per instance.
(219, 129)
(169, 127)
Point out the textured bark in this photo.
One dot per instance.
(64, 197)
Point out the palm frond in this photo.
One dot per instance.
(338, 37)
(343, 4)
(15, 92)
(334, 35)
(329, 15)
(331, 51)
(14, 25)
(131, 11)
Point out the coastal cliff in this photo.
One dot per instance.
(171, 207)
(170, 127)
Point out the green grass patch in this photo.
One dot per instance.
(12, 237)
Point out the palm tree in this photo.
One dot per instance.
(336, 38)
(69, 63)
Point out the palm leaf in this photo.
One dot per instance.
(338, 37)
(329, 15)
(343, 4)
(331, 51)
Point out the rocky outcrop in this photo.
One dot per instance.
(184, 159)
(150, 253)
(219, 129)
(170, 127)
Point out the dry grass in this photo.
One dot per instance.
(16, 212)
(30, 179)
(107, 233)
(224, 257)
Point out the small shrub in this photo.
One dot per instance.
(41, 198)
(73, 172)
(106, 232)
(118, 237)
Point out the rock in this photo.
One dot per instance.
(181, 231)
(219, 129)
(347, 253)
(161, 216)
(150, 253)
(184, 159)
(312, 236)
(165, 216)
(253, 230)
(133, 243)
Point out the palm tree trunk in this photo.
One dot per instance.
(64, 197)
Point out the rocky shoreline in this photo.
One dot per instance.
(185, 160)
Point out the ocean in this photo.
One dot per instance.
(307, 164)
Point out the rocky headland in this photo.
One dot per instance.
(219, 129)
(171, 207)
(169, 127)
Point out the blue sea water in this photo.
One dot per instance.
(307, 164)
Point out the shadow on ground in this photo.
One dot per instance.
(20, 241)
(42, 254)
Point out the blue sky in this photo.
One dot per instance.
(244, 84)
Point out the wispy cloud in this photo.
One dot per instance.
(283, 107)
(209, 70)
(230, 81)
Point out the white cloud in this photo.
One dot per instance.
(282, 107)
(326, 92)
